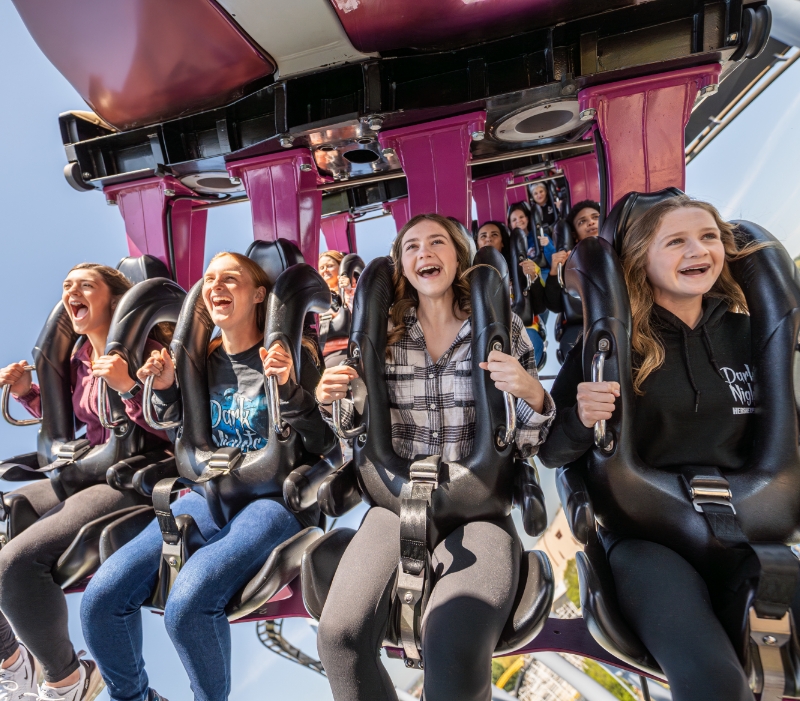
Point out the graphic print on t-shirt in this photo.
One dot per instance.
(741, 386)
(232, 418)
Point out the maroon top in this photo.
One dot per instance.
(84, 397)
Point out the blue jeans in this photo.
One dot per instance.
(195, 613)
(537, 343)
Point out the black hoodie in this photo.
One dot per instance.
(696, 409)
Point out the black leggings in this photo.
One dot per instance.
(668, 605)
(29, 597)
(476, 570)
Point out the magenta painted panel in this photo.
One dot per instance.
(382, 25)
(284, 198)
(399, 210)
(338, 231)
(143, 204)
(137, 62)
(582, 176)
(434, 157)
(642, 124)
(491, 200)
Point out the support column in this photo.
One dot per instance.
(339, 232)
(399, 210)
(435, 159)
(641, 122)
(491, 199)
(582, 176)
(143, 206)
(283, 193)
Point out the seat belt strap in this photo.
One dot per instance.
(412, 572)
(324, 328)
(162, 494)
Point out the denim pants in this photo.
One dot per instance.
(195, 612)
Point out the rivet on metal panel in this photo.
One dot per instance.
(588, 114)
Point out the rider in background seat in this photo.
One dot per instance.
(234, 290)
(335, 349)
(519, 217)
(694, 407)
(429, 381)
(29, 597)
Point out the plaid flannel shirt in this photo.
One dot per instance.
(431, 404)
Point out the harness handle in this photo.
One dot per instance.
(602, 439)
(147, 408)
(7, 414)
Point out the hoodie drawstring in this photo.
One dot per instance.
(710, 351)
(688, 363)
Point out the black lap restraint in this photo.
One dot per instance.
(769, 615)
(413, 580)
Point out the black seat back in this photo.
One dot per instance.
(563, 236)
(144, 305)
(536, 252)
(294, 292)
(629, 496)
(518, 252)
(480, 485)
(140, 268)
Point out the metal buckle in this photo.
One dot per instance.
(409, 593)
(426, 471)
(225, 460)
(770, 635)
(73, 450)
(710, 489)
(172, 556)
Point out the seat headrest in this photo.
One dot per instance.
(467, 236)
(352, 265)
(629, 210)
(140, 268)
(274, 256)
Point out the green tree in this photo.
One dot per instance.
(603, 677)
(571, 581)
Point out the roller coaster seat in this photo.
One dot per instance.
(612, 487)
(231, 479)
(483, 485)
(152, 300)
(337, 326)
(562, 236)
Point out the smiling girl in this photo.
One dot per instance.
(429, 381)
(690, 340)
(234, 291)
(30, 599)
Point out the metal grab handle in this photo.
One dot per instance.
(560, 274)
(102, 399)
(147, 408)
(601, 438)
(7, 414)
(279, 426)
(510, 405)
(344, 433)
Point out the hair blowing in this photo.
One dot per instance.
(405, 296)
(259, 278)
(648, 350)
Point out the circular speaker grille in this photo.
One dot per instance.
(539, 122)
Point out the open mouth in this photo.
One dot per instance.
(695, 270)
(79, 309)
(429, 271)
(220, 302)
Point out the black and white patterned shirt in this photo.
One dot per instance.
(432, 406)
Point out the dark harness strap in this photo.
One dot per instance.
(162, 495)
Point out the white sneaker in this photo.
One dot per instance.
(24, 680)
(87, 688)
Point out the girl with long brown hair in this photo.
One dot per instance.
(428, 375)
(694, 407)
(29, 597)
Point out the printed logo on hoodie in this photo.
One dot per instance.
(741, 387)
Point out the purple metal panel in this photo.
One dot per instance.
(399, 210)
(339, 234)
(582, 176)
(284, 198)
(434, 157)
(143, 61)
(491, 199)
(143, 206)
(382, 25)
(642, 123)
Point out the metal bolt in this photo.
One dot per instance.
(478, 135)
(709, 89)
(111, 202)
(603, 345)
(770, 640)
(587, 114)
(409, 663)
(169, 193)
(497, 346)
(235, 181)
(362, 439)
(286, 141)
(389, 152)
(408, 598)
(87, 175)
(172, 561)
(733, 37)
(306, 167)
(375, 122)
